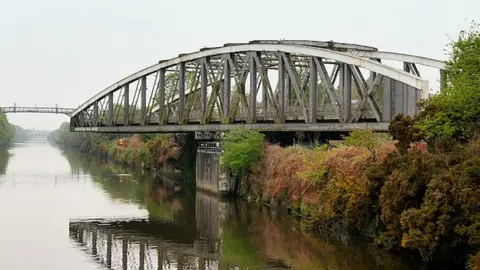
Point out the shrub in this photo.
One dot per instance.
(242, 150)
(364, 138)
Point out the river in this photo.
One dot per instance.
(63, 210)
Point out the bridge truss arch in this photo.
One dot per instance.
(265, 85)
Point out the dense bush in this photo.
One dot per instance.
(242, 149)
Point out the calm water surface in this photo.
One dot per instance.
(61, 210)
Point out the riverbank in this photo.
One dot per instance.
(140, 151)
(421, 202)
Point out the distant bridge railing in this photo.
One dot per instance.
(51, 110)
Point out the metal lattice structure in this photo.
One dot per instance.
(51, 110)
(265, 85)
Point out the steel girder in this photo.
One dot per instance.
(299, 81)
(52, 110)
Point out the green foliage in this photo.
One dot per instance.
(7, 131)
(242, 149)
(364, 138)
(454, 113)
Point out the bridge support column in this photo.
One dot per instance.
(210, 174)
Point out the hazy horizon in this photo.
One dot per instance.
(63, 52)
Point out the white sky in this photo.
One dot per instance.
(65, 51)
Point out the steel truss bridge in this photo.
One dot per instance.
(51, 110)
(287, 85)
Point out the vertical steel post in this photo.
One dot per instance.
(203, 88)
(313, 91)
(281, 88)
(181, 92)
(161, 99)
(288, 90)
(95, 113)
(388, 99)
(347, 92)
(110, 109)
(253, 88)
(126, 104)
(143, 100)
(227, 88)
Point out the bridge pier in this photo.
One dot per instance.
(211, 177)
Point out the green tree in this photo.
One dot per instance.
(7, 131)
(364, 138)
(242, 150)
(454, 113)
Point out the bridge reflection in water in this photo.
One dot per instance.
(225, 235)
(132, 244)
(188, 230)
(153, 244)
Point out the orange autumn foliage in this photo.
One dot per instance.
(327, 185)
